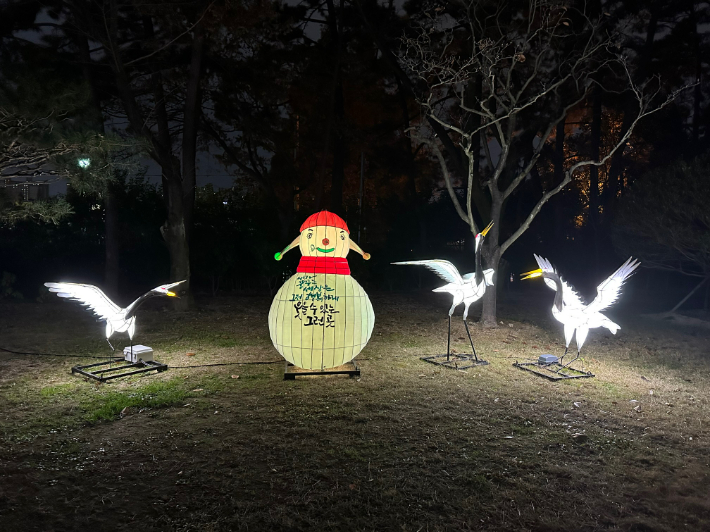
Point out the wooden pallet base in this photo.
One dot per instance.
(291, 371)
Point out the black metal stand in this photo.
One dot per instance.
(124, 370)
(459, 362)
(290, 374)
(554, 371)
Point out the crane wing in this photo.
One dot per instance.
(570, 297)
(442, 268)
(608, 292)
(88, 295)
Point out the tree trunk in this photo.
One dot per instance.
(490, 298)
(181, 195)
(191, 120)
(112, 246)
(491, 259)
(176, 236)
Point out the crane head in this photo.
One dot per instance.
(480, 236)
(164, 289)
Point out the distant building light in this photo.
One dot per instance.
(224, 203)
(84, 163)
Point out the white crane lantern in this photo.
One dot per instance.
(118, 320)
(321, 317)
(569, 309)
(465, 289)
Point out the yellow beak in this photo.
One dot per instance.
(531, 275)
(488, 228)
(171, 294)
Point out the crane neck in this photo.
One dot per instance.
(558, 293)
(479, 266)
(131, 309)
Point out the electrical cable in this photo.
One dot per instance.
(121, 358)
(227, 364)
(57, 355)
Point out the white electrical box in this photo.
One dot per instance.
(140, 352)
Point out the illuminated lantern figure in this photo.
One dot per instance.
(321, 317)
(569, 309)
(117, 319)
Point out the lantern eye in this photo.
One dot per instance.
(342, 235)
(310, 234)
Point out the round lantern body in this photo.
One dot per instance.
(320, 320)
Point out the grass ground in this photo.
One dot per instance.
(407, 447)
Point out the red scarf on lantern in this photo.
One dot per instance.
(336, 265)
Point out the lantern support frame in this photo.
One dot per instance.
(290, 375)
(554, 371)
(94, 371)
(456, 361)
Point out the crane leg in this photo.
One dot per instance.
(565, 353)
(470, 340)
(568, 363)
(448, 341)
(109, 343)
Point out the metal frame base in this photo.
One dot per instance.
(455, 361)
(552, 371)
(103, 375)
(290, 375)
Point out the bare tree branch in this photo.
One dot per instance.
(447, 177)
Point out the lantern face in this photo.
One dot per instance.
(324, 241)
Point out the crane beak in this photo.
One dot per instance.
(488, 228)
(531, 275)
(173, 294)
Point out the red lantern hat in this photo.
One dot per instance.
(325, 218)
